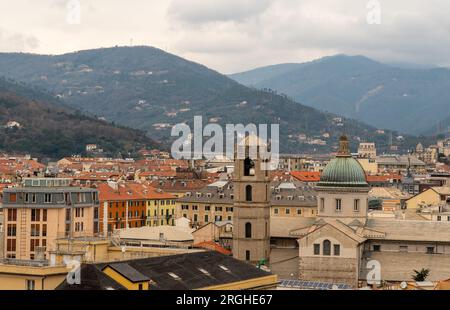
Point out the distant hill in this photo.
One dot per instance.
(149, 89)
(48, 129)
(407, 100)
(441, 128)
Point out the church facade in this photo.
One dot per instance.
(343, 245)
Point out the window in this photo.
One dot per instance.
(207, 208)
(248, 230)
(195, 218)
(12, 215)
(206, 218)
(275, 211)
(439, 218)
(44, 230)
(248, 193)
(247, 255)
(30, 285)
(33, 244)
(322, 204)
(141, 287)
(338, 205)
(288, 211)
(337, 250)
(356, 205)
(12, 230)
(11, 245)
(44, 215)
(430, 249)
(326, 247)
(218, 209)
(12, 197)
(48, 198)
(376, 248)
(249, 167)
(299, 211)
(35, 215)
(316, 249)
(34, 230)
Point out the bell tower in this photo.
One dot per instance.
(251, 229)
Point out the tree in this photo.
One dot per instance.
(421, 275)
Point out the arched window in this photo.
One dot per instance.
(248, 193)
(248, 230)
(326, 247)
(249, 167)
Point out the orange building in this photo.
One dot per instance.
(121, 206)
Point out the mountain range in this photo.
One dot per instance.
(405, 99)
(151, 90)
(37, 123)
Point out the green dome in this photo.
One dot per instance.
(344, 170)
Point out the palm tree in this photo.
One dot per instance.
(421, 275)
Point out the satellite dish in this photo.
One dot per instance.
(403, 285)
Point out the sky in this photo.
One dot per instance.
(235, 35)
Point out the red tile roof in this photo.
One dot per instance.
(211, 245)
(306, 176)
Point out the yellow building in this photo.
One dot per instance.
(369, 165)
(430, 197)
(161, 209)
(31, 276)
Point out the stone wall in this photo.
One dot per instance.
(329, 269)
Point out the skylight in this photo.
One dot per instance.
(204, 271)
(176, 277)
(224, 268)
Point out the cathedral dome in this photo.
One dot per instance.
(344, 170)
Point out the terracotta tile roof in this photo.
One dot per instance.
(383, 178)
(306, 176)
(211, 245)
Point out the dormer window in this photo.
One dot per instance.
(199, 195)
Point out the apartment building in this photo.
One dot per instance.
(131, 205)
(42, 210)
(214, 203)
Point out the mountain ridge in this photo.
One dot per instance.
(151, 90)
(343, 83)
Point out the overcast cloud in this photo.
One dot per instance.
(234, 35)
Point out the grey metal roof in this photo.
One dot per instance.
(128, 272)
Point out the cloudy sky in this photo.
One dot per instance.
(235, 35)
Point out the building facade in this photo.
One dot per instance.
(43, 210)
